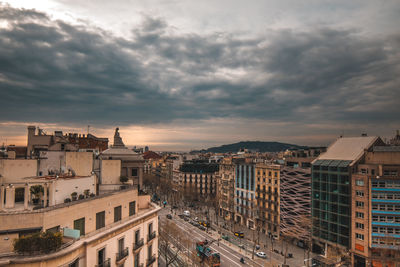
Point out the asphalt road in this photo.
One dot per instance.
(229, 256)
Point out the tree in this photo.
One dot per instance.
(167, 231)
(36, 191)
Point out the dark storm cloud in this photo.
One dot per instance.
(58, 72)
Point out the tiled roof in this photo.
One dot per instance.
(151, 155)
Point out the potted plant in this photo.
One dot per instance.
(92, 195)
(36, 191)
(67, 200)
(81, 196)
(74, 196)
(86, 193)
(123, 179)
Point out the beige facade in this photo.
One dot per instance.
(226, 189)
(15, 170)
(133, 217)
(80, 162)
(110, 171)
(268, 197)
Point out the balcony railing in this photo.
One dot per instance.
(105, 263)
(122, 254)
(138, 244)
(151, 236)
(151, 259)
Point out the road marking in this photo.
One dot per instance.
(187, 228)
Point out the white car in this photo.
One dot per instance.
(261, 254)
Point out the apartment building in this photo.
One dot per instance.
(38, 140)
(200, 176)
(226, 189)
(268, 198)
(113, 227)
(376, 210)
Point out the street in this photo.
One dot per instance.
(230, 251)
(229, 256)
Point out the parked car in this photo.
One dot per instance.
(257, 247)
(201, 227)
(181, 216)
(186, 219)
(261, 254)
(239, 234)
(174, 207)
(169, 216)
(186, 213)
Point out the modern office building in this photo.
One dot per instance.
(333, 203)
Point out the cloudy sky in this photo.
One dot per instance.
(180, 75)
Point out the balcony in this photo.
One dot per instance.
(105, 263)
(138, 244)
(151, 236)
(121, 255)
(151, 260)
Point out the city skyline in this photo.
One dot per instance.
(180, 76)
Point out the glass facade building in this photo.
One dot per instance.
(331, 201)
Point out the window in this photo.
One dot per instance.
(149, 251)
(120, 246)
(360, 182)
(359, 193)
(359, 214)
(360, 236)
(100, 219)
(134, 172)
(75, 263)
(117, 213)
(359, 204)
(359, 225)
(136, 263)
(101, 256)
(137, 236)
(132, 208)
(80, 225)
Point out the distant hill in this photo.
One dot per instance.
(252, 146)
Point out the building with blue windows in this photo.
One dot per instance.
(245, 195)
